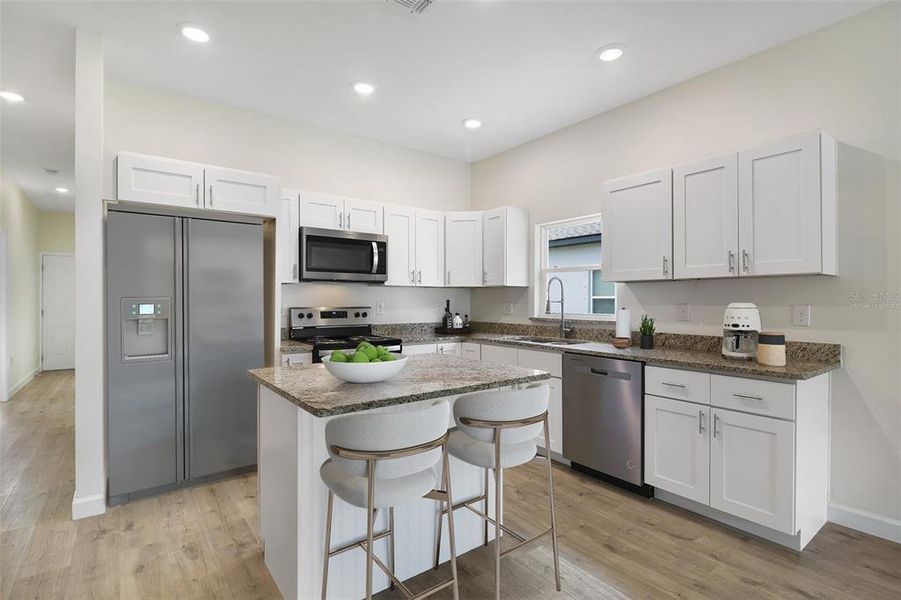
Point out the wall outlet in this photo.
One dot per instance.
(684, 312)
(508, 308)
(380, 308)
(801, 315)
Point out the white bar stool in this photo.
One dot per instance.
(380, 461)
(499, 428)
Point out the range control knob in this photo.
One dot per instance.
(357, 315)
(300, 315)
(365, 314)
(309, 315)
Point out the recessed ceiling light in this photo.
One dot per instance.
(194, 33)
(61, 190)
(12, 96)
(362, 88)
(611, 52)
(471, 123)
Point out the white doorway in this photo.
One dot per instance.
(57, 311)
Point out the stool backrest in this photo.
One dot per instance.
(504, 405)
(388, 431)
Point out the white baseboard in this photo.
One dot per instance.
(861, 520)
(22, 383)
(88, 506)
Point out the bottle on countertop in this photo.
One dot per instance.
(458, 321)
(465, 320)
(448, 317)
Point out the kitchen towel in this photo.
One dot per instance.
(624, 323)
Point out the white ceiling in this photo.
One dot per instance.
(524, 68)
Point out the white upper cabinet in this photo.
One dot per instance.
(363, 216)
(676, 455)
(287, 241)
(505, 235)
(705, 218)
(463, 249)
(429, 246)
(400, 227)
(166, 181)
(752, 468)
(230, 190)
(638, 227)
(321, 210)
(787, 210)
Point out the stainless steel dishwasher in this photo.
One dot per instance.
(603, 419)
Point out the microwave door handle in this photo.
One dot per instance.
(375, 258)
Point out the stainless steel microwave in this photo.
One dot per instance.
(333, 255)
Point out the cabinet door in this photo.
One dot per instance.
(420, 349)
(363, 216)
(400, 229)
(296, 360)
(166, 181)
(499, 354)
(780, 227)
(705, 218)
(554, 416)
(471, 351)
(230, 190)
(429, 248)
(752, 465)
(287, 236)
(494, 235)
(638, 227)
(321, 210)
(463, 249)
(676, 447)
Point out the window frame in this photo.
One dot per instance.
(541, 270)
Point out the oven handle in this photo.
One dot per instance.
(375, 258)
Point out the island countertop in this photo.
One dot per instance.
(425, 376)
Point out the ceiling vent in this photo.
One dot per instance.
(414, 6)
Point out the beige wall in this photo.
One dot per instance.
(56, 232)
(843, 79)
(19, 222)
(151, 121)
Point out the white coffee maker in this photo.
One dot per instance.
(741, 326)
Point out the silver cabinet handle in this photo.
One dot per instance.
(294, 272)
(700, 422)
(716, 424)
(744, 260)
(731, 261)
(484, 277)
(340, 220)
(447, 281)
(747, 396)
(197, 194)
(375, 258)
(419, 277)
(413, 276)
(678, 385)
(664, 266)
(211, 194)
(348, 220)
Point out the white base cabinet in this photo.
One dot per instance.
(747, 452)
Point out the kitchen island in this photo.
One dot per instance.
(294, 404)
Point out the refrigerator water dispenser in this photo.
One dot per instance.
(146, 329)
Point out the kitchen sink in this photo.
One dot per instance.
(548, 341)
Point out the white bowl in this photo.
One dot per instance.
(364, 372)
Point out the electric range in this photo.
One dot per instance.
(336, 328)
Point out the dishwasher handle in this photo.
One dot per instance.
(604, 373)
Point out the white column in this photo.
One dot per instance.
(90, 433)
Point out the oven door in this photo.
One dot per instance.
(331, 255)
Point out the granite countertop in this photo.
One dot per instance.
(425, 376)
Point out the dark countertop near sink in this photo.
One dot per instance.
(796, 368)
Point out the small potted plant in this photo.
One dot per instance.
(647, 332)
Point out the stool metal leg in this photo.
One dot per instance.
(498, 483)
(391, 541)
(438, 538)
(485, 510)
(550, 493)
(328, 541)
(450, 524)
(370, 518)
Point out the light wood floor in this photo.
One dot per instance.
(201, 542)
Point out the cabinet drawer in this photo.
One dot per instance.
(767, 398)
(499, 354)
(678, 384)
(293, 360)
(543, 361)
(473, 351)
(420, 349)
(452, 348)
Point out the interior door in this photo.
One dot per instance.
(224, 298)
(321, 210)
(363, 216)
(57, 312)
(638, 227)
(400, 228)
(705, 218)
(429, 248)
(494, 237)
(463, 256)
(779, 207)
(752, 464)
(677, 447)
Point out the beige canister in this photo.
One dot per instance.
(771, 348)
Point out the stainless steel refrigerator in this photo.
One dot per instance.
(185, 323)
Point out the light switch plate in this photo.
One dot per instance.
(684, 312)
(801, 315)
(508, 308)
(380, 308)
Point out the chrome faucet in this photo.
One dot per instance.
(563, 328)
